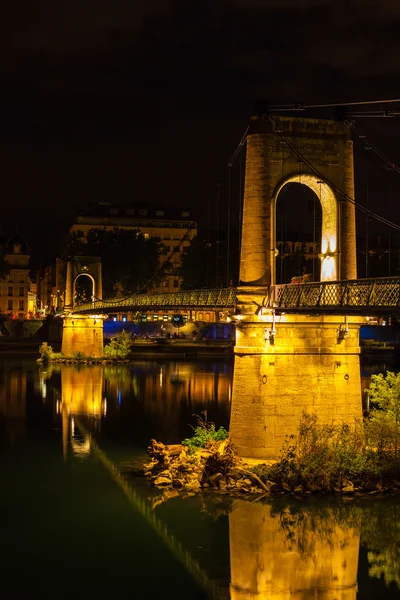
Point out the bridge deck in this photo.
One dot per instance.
(363, 296)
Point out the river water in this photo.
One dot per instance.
(75, 526)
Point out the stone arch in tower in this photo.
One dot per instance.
(317, 153)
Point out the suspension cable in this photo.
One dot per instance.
(372, 146)
(326, 180)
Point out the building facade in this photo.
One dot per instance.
(169, 225)
(14, 287)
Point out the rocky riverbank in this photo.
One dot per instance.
(219, 468)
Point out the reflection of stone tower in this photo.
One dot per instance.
(267, 564)
(81, 394)
(293, 362)
(81, 390)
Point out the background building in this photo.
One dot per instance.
(14, 287)
(168, 225)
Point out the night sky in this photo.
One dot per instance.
(146, 101)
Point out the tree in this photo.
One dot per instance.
(119, 347)
(384, 390)
(194, 265)
(129, 259)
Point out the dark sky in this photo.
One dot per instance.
(146, 100)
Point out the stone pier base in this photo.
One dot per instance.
(311, 364)
(84, 334)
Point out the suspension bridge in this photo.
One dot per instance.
(361, 296)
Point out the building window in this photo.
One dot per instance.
(155, 317)
(165, 283)
(143, 213)
(159, 213)
(113, 211)
(165, 317)
(176, 283)
(124, 318)
(21, 305)
(167, 248)
(185, 213)
(9, 306)
(10, 291)
(21, 291)
(144, 318)
(130, 211)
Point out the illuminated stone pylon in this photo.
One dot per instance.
(83, 333)
(291, 363)
(275, 557)
(270, 164)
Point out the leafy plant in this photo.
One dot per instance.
(119, 347)
(46, 352)
(384, 430)
(204, 433)
(78, 355)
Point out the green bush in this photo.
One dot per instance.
(119, 347)
(46, 352)
(204, 434)
(78, 355)
(322, 457)
(384, 426)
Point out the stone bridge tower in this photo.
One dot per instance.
(82, 333)
(287, 364)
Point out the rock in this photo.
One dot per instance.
(238, 473)
(272, 487)
(205, 485)
(286, 487)
(222, 447)
(193, 486)
(348, 489)
(162, 481)
(298, 489)
(346, 483)
(175, 449)
(247, 482)
(214, 479)
(370, 486)
(222, 485)
(396, 484)
(178, 482)
(165, 473)
(205, 454)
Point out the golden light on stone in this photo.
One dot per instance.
(313, 562)
(327, 198)
(285, 367)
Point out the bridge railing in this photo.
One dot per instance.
(217, 298)
(359, 293)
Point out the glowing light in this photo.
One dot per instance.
(328, 269)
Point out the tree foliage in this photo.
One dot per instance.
(119, 347)
(384, 391)
(194, 265)
(129, 259)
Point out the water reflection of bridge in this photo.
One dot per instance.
(282, 551)
(279, 555)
